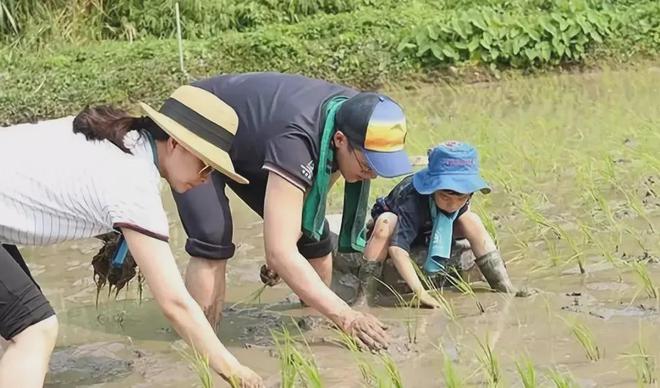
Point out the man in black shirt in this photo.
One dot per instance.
(278, 149)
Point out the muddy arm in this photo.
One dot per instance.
(282, 219)
(162, 275)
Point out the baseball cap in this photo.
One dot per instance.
(452, 166)
(377, 124)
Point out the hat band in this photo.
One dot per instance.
(197, 124)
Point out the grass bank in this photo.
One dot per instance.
(363, 44)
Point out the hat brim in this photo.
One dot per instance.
(388, 164)
(427, 183)
(204, 150)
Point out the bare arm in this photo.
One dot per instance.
(162, 275)
(282, 219)
(401, 260)
(403, 264)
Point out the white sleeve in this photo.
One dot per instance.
(134, 202)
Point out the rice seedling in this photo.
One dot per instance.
(486, 219)
(539, 219)
(585, 338)
(392, 371)
(465, 288)
(553, 251)
(635, 204)
(255, 296)
(369, 374)
(451, 376)
(600, 201)
(200, 365)
(561, 380)
(525, 368)
(489, 362)
(412, 320)
(294, 365)
(391, 377)
(645, 281)
(609, 256)
(578, 254)
(643, 364)
(635, 235)
(429, 285)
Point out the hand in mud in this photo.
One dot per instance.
(245, 377)
(268, 276)
(428, 301)
(366, 329)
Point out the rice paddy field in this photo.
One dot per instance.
(574, 162)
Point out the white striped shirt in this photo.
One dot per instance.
(56, 186)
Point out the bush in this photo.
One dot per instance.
(358, 48)
(84, 20)
(344, 48)
(523, 39)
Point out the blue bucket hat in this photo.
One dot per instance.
(452, 166)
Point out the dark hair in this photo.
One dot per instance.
(105, 122)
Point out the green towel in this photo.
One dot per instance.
(352, 235)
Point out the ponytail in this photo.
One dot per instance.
(105, 122)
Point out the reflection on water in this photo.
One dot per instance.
(534, 136)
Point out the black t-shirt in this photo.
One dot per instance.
(414, 222)
(279, 123)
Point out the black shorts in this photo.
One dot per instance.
(22, 304)
(206, 218)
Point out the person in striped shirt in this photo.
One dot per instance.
(57, 185)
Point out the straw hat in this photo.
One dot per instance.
(201, 122)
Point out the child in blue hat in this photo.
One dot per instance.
(431, 208)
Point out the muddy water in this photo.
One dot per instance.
(125, 343)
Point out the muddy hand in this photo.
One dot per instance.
(428, 301)
(366, 329)
(245, 377)
(268, 276)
